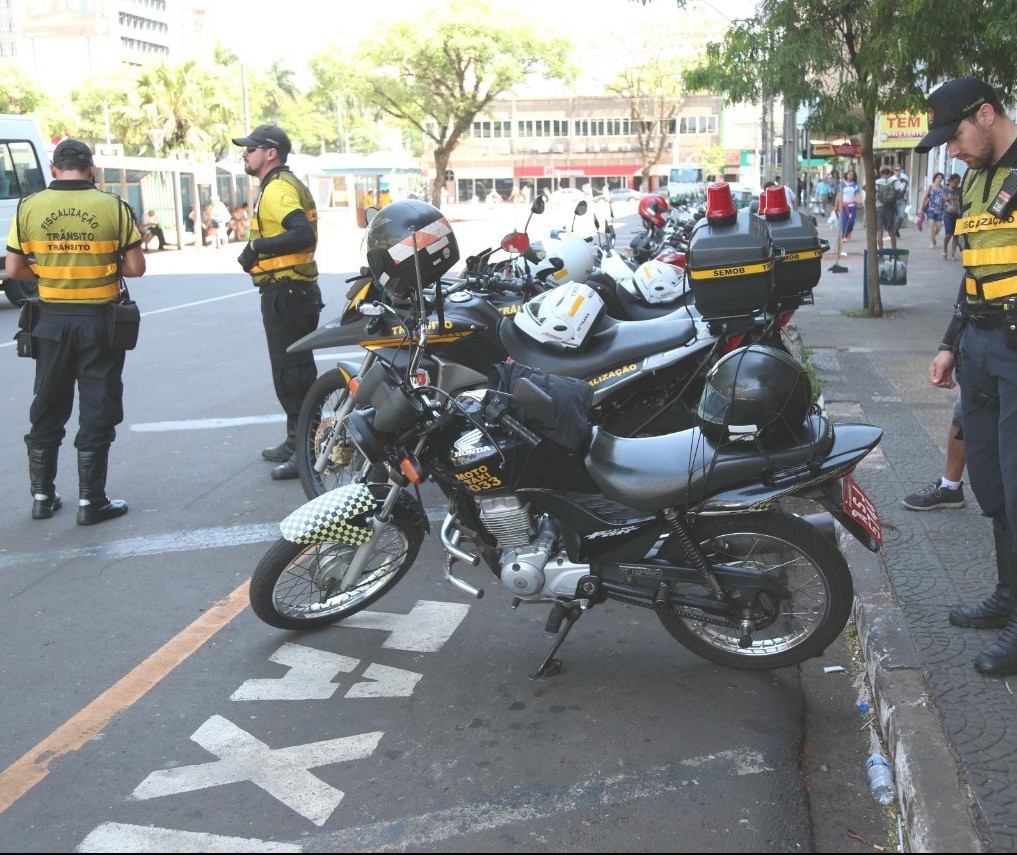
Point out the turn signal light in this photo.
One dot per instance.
(411, 469)
(354, 384)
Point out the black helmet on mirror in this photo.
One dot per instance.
(390, 241)
(757, 392)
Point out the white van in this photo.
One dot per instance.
(24, 169)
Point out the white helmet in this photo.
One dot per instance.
(566, 314)
(578, 257)
(657, 282)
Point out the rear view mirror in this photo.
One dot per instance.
(517, 242)
(370, 214)
(538, 205)
(581, 208)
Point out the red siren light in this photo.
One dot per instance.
(762, 203)
(720, 207)
(777, 207)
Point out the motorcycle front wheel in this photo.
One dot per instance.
(296, 587)
(317, 422)
(788, 631)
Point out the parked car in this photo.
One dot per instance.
(625, 194)
(22, 171)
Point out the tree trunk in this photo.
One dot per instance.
(872, 268)
(441, 159)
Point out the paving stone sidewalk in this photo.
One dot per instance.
(953, 732)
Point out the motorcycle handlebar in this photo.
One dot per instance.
(519, 429)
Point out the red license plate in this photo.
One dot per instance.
(859, 507)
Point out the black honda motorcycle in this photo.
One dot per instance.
(684, 524)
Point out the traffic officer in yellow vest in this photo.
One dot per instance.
(280, 259)
(80, 237)
(966, 115)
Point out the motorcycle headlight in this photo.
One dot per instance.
(360, 429)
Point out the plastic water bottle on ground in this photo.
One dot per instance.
(880, 774)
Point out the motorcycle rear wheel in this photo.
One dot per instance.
(791, 630)
(289, 587)
(315, 424)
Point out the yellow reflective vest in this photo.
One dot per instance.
(281, 194)
(76, 234)
(989, 253)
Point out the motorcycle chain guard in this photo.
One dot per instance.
(328, 518)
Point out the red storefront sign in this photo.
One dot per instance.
(579, 170)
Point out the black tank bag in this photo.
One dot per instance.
(123, 319)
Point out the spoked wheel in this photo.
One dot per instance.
(317, 424)
(787, 631)
(298, 587)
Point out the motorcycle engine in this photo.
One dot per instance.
(525, 547)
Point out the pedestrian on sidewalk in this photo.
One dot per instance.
(966, 115)
(947, 491)
(886, 207)
(951, 211)
(849, 196)
(932, 206)
(280, 259)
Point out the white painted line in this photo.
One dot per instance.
(424, 630)
(199, 302)
(309, 678)
(387, 682)
(424, 832)
(119, 837)
(283, 773)
(186, 540)
(207, 424)
(181, 306)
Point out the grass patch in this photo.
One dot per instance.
(863, 314)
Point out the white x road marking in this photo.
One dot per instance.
(283, 773)
(309, 678)
(424, 630)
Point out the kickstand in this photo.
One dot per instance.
(551, 666)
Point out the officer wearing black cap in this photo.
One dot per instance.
(966, 115)
(77, 241)
(280, 259)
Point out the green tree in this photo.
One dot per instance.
(196, 107)
(110, 101)
(654, 89)
(19, 93)
(437, 75)
(338, 92)
(848, 60)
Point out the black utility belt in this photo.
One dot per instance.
(986, 321)
(51, 308)
(267, 287)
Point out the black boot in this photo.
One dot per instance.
(1000, 659)
(279, 453)
(42, 469)
(94, 507)
(286, 471)
(994, 611)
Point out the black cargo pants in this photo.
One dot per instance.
(290, 310)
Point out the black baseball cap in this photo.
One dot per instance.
(270, 135)
(949, 105)
(72, 154)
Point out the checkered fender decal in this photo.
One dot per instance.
(325, 518)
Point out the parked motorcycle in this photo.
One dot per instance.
(686, 524)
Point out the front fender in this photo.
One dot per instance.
(332, 334)
(332, 517)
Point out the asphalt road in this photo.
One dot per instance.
(146, 709)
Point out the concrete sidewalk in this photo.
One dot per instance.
(952, 732)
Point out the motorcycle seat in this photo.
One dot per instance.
(614, 343)
(682, 469)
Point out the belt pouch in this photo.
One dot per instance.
(123, 321)
(26, 343)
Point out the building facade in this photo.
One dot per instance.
(575, 141)
(61, 42)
